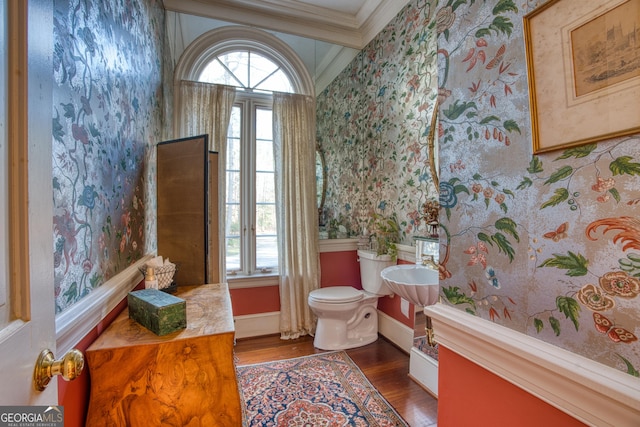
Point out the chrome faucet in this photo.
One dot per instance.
(428, 261)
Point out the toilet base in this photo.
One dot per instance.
(355, 343)
(336, 334)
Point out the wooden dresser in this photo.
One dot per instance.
(186, 378)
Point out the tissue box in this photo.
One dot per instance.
(158, 311)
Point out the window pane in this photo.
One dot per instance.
(233, 220)
(265, 187)
(233, 154)
(264, 156)
(265, 219)
(234, 123)
(237, 63)
(266, 252)
(260, 69)
(278, 82)
(232, 239)
(233, 187)
(233, 253)
(214, 72)
(264, 124)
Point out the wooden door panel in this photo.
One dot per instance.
(182, 207)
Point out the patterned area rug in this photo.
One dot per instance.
(421, 344)
(326, 389)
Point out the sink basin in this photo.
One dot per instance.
(415, 283)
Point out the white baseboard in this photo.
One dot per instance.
(424, 370)
(255, 325)
(395, 331)
(591, 392)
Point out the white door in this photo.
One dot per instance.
(26, 240)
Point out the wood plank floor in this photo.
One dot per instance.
(386, 367)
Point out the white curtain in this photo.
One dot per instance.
(294, 143)
(205, 108)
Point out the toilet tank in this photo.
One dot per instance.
(371, 265)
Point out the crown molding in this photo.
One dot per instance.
(301, 19)
(334, 62)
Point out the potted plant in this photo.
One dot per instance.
(385, 234)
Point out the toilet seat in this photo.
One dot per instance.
(336, 295)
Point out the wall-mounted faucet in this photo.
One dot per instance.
(426, 251)
(428, 261)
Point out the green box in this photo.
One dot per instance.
(158, 311)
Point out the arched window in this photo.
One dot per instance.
(258, 64)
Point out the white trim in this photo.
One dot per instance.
(338, 245)
(384, 13)
(75, 323)
(334, 62)
(424, 370)
(396, 332)
(305, 20)
(255, 325)
(219, 40)
(243, 282)
(591, 392)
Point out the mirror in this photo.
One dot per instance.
(420, 333)
(321, 180)
(432, 148)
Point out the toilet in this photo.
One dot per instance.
(348, 317)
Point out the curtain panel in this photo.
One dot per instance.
(205, 108)
(294, 131)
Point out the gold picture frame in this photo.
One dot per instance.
(583, 66)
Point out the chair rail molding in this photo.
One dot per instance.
(75, 323)
(589, 391)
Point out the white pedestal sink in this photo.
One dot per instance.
(415, 283)
(419, 285)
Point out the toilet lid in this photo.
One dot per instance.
(337, 294)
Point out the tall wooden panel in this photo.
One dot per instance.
(213, 263)
(187, 196)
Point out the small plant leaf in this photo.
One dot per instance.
(576, 265)
(570, 308)
(508, 226)
(535, 165)
(560, 174)
(578, 152)
(623, 165)
(539, 325)
(555, 325)
(559, 196)
(454, 296)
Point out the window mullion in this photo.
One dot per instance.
(251, 199)
(247, 190)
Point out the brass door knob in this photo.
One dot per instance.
(70, 367)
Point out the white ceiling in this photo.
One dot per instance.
(326, 34)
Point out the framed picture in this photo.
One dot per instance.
(583, 65)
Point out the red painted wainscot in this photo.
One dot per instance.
(469, 395)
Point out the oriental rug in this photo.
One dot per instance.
(326, 389)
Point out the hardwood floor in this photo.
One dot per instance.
(386, 367)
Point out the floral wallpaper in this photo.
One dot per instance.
(107, 117)
(373, 122)
(544, 244)
(548, 244)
